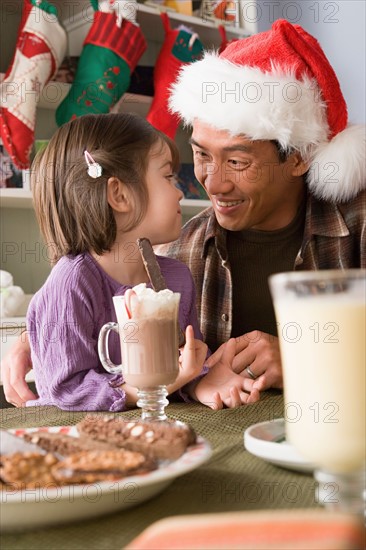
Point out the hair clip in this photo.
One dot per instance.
(94, 168)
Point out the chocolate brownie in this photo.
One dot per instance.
(65, 445)
(91, 466)
(161, 440)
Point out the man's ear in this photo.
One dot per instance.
(118, 195)
(299, 165)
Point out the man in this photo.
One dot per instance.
(286, 178)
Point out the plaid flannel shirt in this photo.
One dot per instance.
(334, 238)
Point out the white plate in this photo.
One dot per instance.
(33, 508)
(267, 440)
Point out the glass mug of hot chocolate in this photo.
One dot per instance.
(147, 325)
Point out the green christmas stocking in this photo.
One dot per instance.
(110, 53)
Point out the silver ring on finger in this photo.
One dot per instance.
(251, 373)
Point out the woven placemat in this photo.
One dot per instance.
(232, 479)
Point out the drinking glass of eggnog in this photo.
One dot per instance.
(321, 320)
(147, 325)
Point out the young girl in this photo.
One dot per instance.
(102, 182)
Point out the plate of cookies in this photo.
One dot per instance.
(101, 465)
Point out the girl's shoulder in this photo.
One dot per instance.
(72, 276)
(74, 287)
(71, 270)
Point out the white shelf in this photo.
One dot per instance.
(15, 198)
(206, 28)
(19, 198)
(148, 18)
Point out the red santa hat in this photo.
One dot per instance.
(279, 85)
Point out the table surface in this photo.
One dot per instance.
(232, 479)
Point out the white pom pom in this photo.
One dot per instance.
(338, 167)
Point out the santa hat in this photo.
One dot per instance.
(278, 85)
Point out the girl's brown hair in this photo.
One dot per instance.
(71, 207)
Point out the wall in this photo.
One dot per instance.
(339, 26)
(341, 31)
(22, 251)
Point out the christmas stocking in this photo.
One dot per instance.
(180, 47)
(224, 10)
(110, 53)
(40, 48)
(224, 41)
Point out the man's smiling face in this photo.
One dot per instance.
(247, 184)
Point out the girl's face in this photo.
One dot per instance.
(163, 219)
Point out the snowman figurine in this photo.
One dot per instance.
(11, 296)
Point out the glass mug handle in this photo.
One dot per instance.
(103, 350)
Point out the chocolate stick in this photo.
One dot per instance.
(151, 265)
(154, 272)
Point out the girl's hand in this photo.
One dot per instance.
(221, 386)
(191, 360)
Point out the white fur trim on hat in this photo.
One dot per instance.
(274, 106)
(244, 100)
(338, 167)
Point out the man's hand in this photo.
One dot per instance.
(14, 367)
(221, 386)
(261, 353)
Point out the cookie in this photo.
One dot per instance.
(27, 470)
(160, 440)
(91, 466)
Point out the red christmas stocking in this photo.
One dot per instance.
(40, 48)
(224, 10)
(110, 54)
(180, 47)
(224, 41)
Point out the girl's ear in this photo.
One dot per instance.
(118, 195)
(299, 165)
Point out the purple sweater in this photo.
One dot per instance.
(64, 319)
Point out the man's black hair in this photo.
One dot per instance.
(282, 153)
